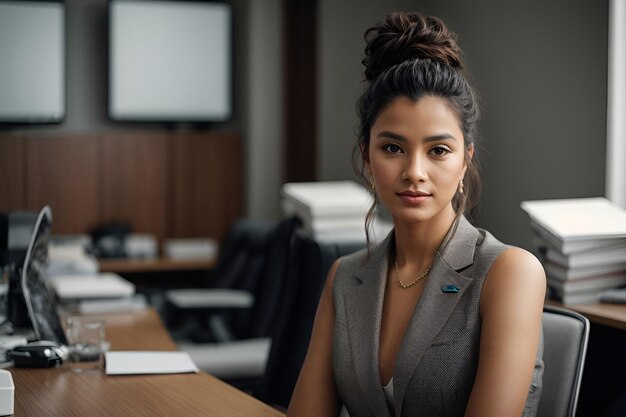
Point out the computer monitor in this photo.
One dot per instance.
(40, 301)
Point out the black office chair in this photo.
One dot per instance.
(566, 334)
(222, 311)
(309, 264)
(242, 360)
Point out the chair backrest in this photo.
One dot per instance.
(271, 283)
(240, 266)
(566, 334)
(245, 241)
(309, 263)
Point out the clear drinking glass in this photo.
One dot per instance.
(85, 338)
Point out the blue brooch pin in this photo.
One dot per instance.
(450, 288)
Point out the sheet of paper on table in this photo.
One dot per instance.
(142, 362)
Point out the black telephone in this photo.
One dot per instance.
(40, 354)
(108, 240)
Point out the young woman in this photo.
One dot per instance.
(440, 319)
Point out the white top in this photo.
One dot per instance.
(388, 390)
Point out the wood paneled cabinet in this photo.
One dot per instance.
(169, 184)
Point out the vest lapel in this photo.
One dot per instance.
(435, 306)
(364, 305)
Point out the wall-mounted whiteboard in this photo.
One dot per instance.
(32, 61)
(170, 60)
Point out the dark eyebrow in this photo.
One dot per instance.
(391, 135)
(400, 138)
(437, 138)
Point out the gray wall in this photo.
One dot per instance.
(540, 68)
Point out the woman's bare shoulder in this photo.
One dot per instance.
(516, 274)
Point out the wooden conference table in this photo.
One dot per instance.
(611, 315)
(61, 392)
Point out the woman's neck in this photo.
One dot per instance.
(417, 243)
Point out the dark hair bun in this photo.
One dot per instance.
(409, 35)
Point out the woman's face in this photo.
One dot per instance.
(416, 157)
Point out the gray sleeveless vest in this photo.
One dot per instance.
(438, 358)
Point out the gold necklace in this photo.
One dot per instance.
(410, 284)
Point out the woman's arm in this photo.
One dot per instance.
(315, 393)
(511, 307)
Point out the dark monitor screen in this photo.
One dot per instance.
(170, 61)
(40, 301)
(32, 61)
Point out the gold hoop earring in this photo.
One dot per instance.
(461, 187)
(372, 184)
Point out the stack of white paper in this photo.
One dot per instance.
(332, 211)
(197, 248)
(67, 255)
(91, 286)
(583, 242)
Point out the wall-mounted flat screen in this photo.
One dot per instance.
(170, 61)
(32, 61)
